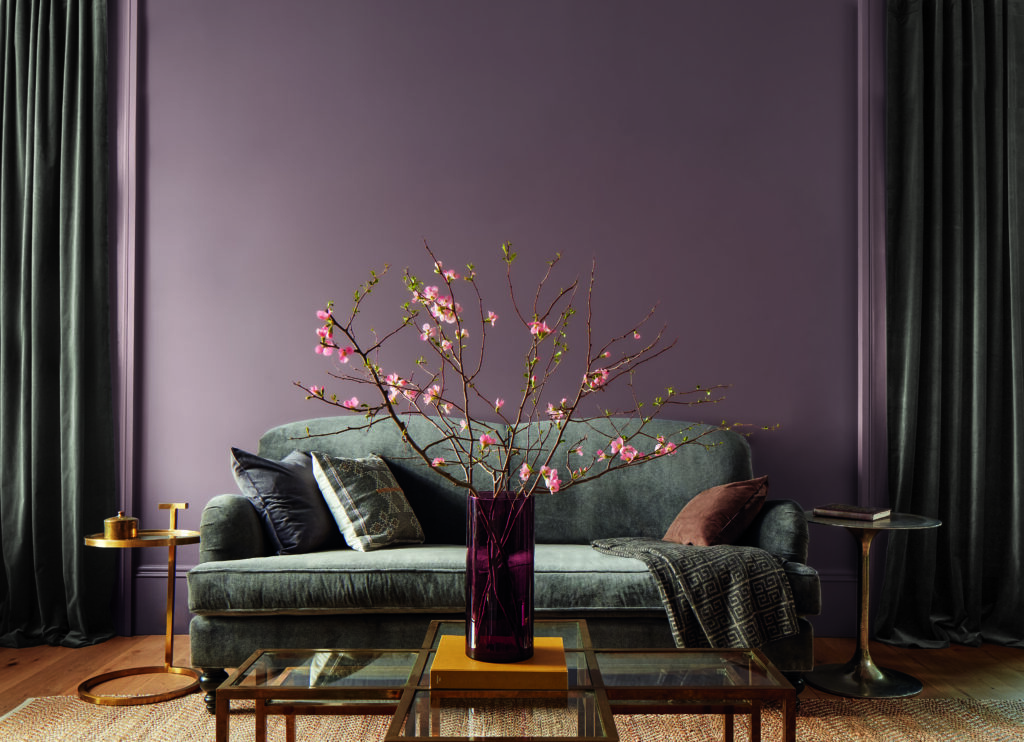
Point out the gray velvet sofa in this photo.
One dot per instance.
(244, 597)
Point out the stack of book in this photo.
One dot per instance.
(855, 512)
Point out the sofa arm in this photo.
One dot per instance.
(781, 529)
(231, 529)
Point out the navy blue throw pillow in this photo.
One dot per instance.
(285, 493)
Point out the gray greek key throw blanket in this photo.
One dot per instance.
(715, 596)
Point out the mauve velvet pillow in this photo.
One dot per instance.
(286, 496)
(720, 514)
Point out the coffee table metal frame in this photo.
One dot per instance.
(745, 680)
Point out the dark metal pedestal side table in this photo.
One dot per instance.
(171, 538)
(861, 677)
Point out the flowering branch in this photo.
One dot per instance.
(445, 390)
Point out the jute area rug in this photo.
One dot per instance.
(66, 718)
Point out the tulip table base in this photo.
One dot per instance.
(860, 677)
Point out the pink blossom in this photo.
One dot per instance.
(524, 471)
(600, 453)
(447, 274)
(616, 445)
(325, 350)
(636, 335)
(664, 448)
(432, 394)
(551, 480)
(321, 314)
(557, 413)
(428, 331)
(316, 390)
(429, 294)
(394, 382)
(579, 450)
(498, 404)
(344, 353)
(540, 329)
(463, 424)
(491, 317)
(437, 461)
(445, 309)
(324, 332)
(628, 453)
(596, 379)
(446, 344)
(487, 440)
(445, 407)
(351, 404)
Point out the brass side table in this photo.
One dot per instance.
(170, 538)
(861, 677)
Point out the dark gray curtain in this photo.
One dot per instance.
(954, 171)
(57, 442)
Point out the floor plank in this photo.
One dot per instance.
(984, 672)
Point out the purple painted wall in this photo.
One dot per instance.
(706, 154)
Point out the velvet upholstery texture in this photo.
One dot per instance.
(244, 597)
(567, 577)
(720, 514)
(285, 494)
(59, 471)
(645, 499)
(954, 252)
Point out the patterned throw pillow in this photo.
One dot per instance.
(366, 501)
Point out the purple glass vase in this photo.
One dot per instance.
(499, 577)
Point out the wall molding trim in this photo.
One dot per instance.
(872, 455)
(159, 571)
(124, 61)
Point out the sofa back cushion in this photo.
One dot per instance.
(638, 501)
(641, 500)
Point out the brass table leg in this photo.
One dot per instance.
(861, 677)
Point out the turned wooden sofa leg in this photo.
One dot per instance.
(797, 679)
(211, 678)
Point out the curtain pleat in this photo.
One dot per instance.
(955, 309)
(57, 438)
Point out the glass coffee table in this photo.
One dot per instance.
(602, 682)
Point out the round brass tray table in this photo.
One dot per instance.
(171, 538)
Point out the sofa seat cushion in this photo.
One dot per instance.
(427, 578)
(409, 578)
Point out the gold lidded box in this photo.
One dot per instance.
(121, 527)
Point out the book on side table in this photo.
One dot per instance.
(854, 512)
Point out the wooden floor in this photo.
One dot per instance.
(988, 671)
